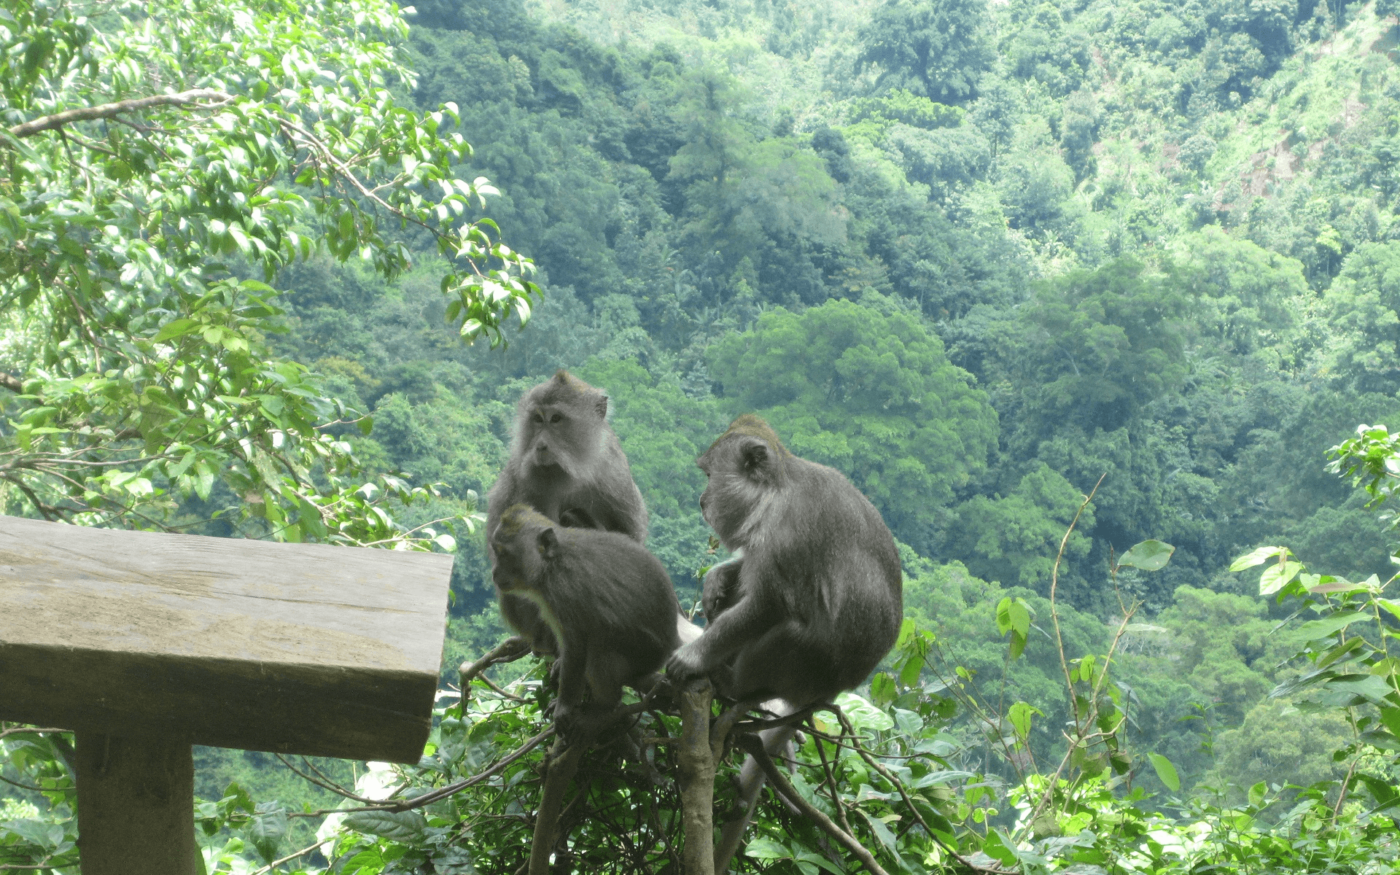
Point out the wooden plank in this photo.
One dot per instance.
(302, 648)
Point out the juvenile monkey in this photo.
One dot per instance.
(812, 602)
(566, 463)
(607, 602)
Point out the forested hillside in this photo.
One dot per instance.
(986, 259)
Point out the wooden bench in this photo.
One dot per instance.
(146, 644)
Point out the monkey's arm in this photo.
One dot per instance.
(720, 583)
(742, 622)
(572, 668)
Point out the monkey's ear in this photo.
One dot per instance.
(754, 457)
(602, 406)
(548, 543)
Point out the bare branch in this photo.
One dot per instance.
(11, 382)
(112, 110)
(754, 747)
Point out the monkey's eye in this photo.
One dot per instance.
(558, 417)
(536, 417)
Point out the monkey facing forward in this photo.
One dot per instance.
(811, 601)
(566, 463)
(607, 602)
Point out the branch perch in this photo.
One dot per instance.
(112, 110)
(563, 764)
(697, 757)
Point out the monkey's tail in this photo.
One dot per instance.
(776, 742)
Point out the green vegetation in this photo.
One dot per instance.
(985, 258)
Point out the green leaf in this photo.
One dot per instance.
(1276, 577)
(1256, 794)
(267, 829)
(1257, 557)
(1020, 716)
(1390, 716)
(1148, 555)
(882, 832)
(862, 714)
(1326, 626)
(1166, 772)
(1370, 687)
(176, 328)
(401, 826)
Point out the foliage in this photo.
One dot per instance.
(1155, 241)
(158, 161)
(935, 48)
(870, 393)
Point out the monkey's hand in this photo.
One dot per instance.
(720, 584)
(565, 721)
(717, 592)
(685, 664)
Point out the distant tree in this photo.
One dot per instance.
(1014, 539)
(935, 48)
(1363, 310)
(867, 389)
(1096, 345)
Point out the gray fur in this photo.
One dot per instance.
(811, 601)
(607, 601)
(816, 600)
(566, 463)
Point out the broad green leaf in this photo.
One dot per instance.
(1330, 625)
(267, 829)
(1020, 716)
(1166, 772)
(401, 826)
(1370, 687)
(1257, 557)
(1276, 577)
(862, 714)
(1148, 555)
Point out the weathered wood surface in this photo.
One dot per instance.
(297, 648)
(135, 806)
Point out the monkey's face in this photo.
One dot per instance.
(740, 472)
(518, 559)
(559, 436)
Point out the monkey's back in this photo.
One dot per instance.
(608, 589)
(831, 562)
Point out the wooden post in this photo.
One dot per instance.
(135, 805)
(148, 643)
(697, 759)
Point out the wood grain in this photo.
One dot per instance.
(295, 648)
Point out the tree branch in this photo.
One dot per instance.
(11, 382)
(754, 746)
(112, 110)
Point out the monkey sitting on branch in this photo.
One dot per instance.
(609, 606)
(811, 603)
(566, 463)
(607, 602)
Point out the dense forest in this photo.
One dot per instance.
(1044, 280)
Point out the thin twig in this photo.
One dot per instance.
(275, 863)
(830, 782)
(16, 730)
(326, 784)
